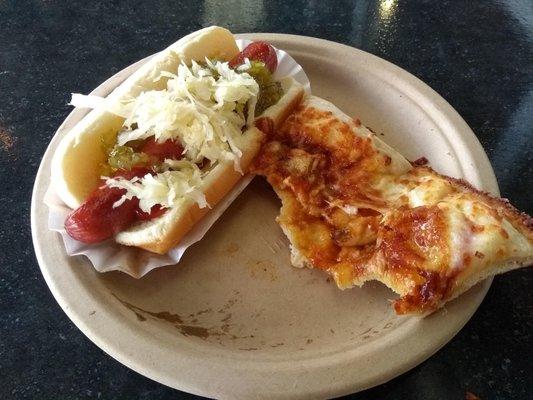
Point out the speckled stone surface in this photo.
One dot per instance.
(477, 54)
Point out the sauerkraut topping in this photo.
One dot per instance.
(180, 179)
(204, 107)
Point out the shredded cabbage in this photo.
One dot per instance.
(180, 179)
(202, 107)
(92, 101)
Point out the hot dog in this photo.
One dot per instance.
(170, 142)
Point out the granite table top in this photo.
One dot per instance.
(477, 54)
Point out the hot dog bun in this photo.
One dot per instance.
(77, 162)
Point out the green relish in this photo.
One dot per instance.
(270, 91)
(123, 157)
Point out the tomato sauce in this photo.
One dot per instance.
(411, 245)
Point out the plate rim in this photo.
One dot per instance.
(82, 321)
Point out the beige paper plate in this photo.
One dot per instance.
(234, 320)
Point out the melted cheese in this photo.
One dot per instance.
(349, 211)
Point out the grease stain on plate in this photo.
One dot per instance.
(184, 327)
(232, 248)
(263, 269)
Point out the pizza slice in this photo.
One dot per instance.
(355, 208)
